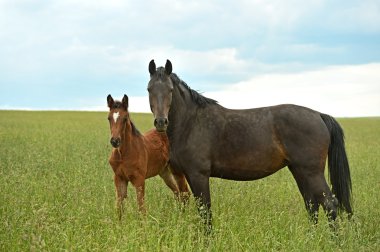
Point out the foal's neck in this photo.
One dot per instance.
(128, 143)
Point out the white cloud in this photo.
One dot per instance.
(136, 104)
(200, 62)
(363, 16)
(127, 59)
(338, 90)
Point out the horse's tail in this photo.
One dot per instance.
(339, 170)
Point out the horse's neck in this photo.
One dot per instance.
(182, 109)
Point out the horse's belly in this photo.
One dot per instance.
(243, 174)
(248, 168)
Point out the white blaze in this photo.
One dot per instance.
(115, 116)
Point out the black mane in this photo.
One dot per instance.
(196, 97)
(199, 99)
(119, 105)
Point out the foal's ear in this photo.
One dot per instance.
(168, 67)
(124, 102)
(110, 101)
(152, 67)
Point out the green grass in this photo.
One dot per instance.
(57, 193)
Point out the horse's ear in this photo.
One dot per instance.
(168, 67)
(152, 67)
(125, 102)
(110, 101)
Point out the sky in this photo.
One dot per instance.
(69, 55)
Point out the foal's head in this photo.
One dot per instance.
(118, 118)
(160, 88)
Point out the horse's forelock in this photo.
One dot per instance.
(117, 104)
(160, 72)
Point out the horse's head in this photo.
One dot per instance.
(118, 118)
(160, 88)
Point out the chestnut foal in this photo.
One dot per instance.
(136, 157)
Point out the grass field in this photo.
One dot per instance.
(57, 193)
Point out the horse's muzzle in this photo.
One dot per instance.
(115, 142)
(161, 124)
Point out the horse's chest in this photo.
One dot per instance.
(126, 170)
(181, 158)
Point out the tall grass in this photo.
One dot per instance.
(57, 193)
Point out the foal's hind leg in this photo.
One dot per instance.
(169, 180)
(184, 191)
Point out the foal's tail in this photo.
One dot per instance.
(339, 169)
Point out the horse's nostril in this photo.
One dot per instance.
(115, 142)
(161, 123)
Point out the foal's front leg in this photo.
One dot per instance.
(140, 191)
(121, 194)
(139, 184)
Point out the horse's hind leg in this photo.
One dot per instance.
(315, 192)
(311, 204)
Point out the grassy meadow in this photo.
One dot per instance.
(57, 194)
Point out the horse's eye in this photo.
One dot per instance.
(124, 119)
(109, 118)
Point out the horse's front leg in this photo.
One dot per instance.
(199, 184)
(121, 194)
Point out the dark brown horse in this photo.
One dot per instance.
(136, 157)
(208, 140)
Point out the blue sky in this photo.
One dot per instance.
(69, 55)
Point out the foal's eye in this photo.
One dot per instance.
(109, 118)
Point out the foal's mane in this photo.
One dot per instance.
(119, 105)
(196, 97)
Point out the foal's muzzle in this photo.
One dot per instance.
(115, 142)
(161, 124)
